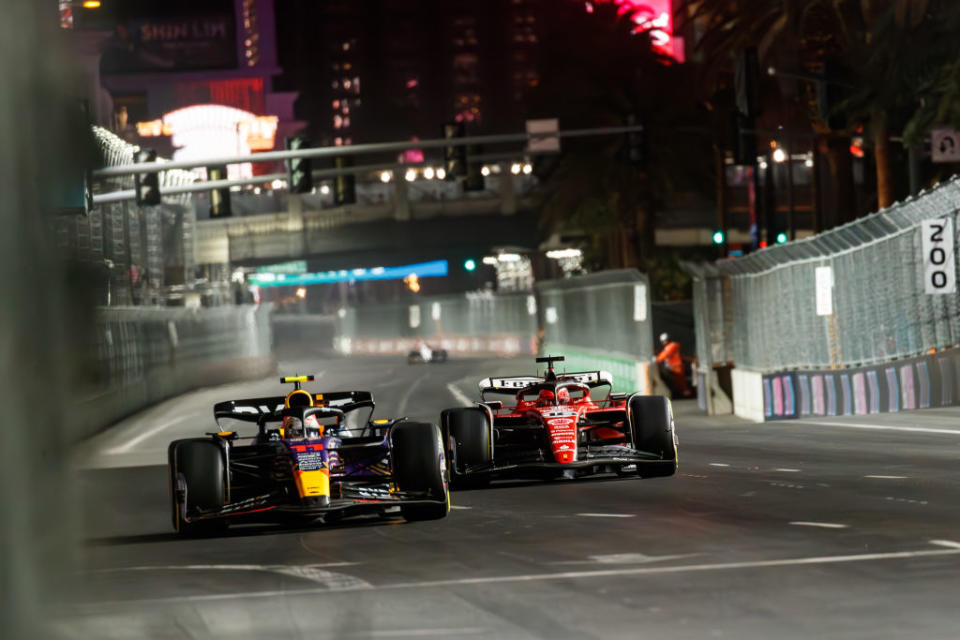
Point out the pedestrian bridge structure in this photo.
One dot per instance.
(395, 227)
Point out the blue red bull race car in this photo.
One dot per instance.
(558, 425)
(313, 455)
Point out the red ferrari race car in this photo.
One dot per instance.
(558, 425)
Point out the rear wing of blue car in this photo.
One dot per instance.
(254, 409)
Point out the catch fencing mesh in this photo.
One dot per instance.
(759, 312)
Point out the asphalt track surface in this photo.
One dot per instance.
(784, 530)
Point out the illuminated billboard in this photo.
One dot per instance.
(654, 17)
(171, 35)
(212, 130)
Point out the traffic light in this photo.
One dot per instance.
(746, 82)
(470, 264)
(344, 185)
(454, 158)
(299, 177)
(718, 237)
(635, 143)
(220, 196)
(146, 185)
(781, 238)
(474, 181)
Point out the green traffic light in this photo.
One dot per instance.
(470, 264)
(718, 237)
(781, 238)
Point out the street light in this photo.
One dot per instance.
(91, 4)
(485, 171)
(441, 174)
(779, 155)
(410, 175)
(385, 177)
(515, 168)
(527, 169)
(428, 173)
(302, 293)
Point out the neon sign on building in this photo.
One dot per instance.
(652, 16)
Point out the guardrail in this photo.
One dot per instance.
(598, 321)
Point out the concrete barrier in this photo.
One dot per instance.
(144, 355)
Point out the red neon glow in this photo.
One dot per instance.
(652, 16)
(856, 151)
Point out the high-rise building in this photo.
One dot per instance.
(410, 65)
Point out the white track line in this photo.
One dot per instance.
(782, 470)
(143, 435)
(409, 392)
(888, 477)
(719, 464)
(607, 515)
(421, 633)
(952, 550)
(460, 396)
(946, 543)
(879, 427)
(822, 525)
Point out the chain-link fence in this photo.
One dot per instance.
(475, 323)
(133, 252)
(851, 297)
(601, 321)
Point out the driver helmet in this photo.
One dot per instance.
(546, 398)
(312, 427)
(292, 428)
(563, 396)
(664, 338)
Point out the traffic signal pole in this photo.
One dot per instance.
(358, 149)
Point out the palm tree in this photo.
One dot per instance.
(597, 72)
(893, 51)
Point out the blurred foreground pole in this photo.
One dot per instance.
(37, 527)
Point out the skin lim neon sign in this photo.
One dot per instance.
(652, 16)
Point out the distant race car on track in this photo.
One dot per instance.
(424, 353)
(558, 425)
(313, 455)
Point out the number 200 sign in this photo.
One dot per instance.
(939, 263)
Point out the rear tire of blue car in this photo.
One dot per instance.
(419, 467)
(651, 423)
(469, 437)
(200, 463)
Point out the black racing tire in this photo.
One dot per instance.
(419, 466)
(651, 423)
(468, 429)
(200, 462)
(441, 356)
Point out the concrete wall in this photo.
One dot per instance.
(144, 355)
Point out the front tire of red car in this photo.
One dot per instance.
(651, 424)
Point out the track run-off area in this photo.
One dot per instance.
(841, 528)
